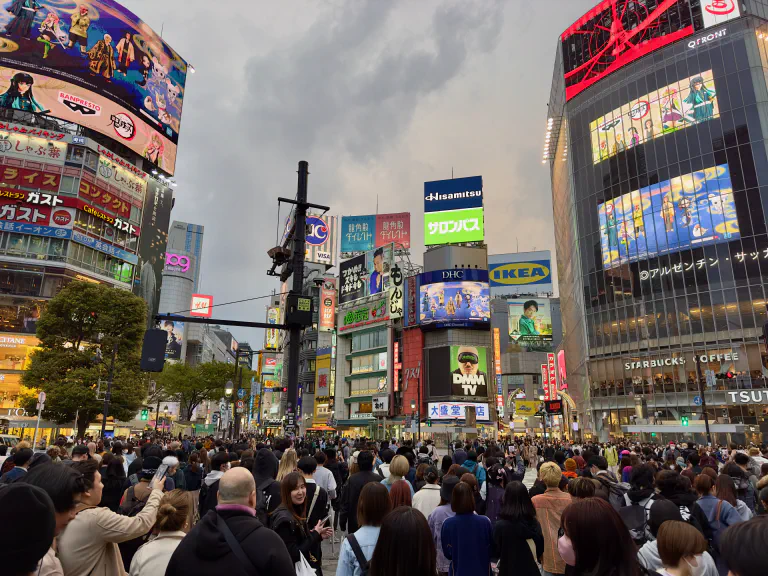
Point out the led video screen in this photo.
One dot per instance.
(689, 211)
(454, 303)
(676, 106)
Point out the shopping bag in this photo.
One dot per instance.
(303, 568)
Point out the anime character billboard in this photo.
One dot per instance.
(454, 303)
(100, 46)
(688, 211)
(676, 106)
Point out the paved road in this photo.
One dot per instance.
(330, 556)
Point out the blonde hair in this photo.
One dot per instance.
(288, 464)
(399, 467)
(173, 511)
(550, 474)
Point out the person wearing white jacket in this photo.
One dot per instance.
(171, 525)
(428, 498)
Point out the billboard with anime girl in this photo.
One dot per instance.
(673, 107)
(99, 46)
(692, 210)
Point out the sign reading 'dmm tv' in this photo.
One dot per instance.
(453, 194)
(519, 273)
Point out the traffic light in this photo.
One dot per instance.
(684, 420)
(145, 414)
(429, 423)
(285, 389)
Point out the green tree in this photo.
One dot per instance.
(78, 332)
(191, 386)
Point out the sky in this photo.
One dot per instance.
(378, 96)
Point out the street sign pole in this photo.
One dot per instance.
(703, 398)
(40, 406)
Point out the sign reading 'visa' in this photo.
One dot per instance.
(454, 194)
(520, 273)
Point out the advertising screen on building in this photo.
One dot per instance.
(96, 47)
(320, 238)
(327, 314)
(202, 305)
(526, 272)
(617, 32)
(454, 303)
(690, 101)
(530, 324)
(272, 336)
(469, 371)
(175, 343)
(366, 274)
(454, 226)
(363, 233)
(716, 12)
(453, 194)
(687, 211)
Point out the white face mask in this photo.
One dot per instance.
(696, 564)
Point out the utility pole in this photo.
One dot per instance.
(299, 249)
(108, 395)
(703, 398)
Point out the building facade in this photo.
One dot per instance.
(659, 173)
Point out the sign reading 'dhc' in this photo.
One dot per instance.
(453, 194)
(518, 273)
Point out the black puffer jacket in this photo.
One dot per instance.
(264, 473)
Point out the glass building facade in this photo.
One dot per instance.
(660, 193)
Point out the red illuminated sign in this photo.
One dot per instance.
(617, 32)
(105, 199)
(202, 305)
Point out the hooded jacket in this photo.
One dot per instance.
(205, 550)
(264, 473)
(511, 540)
(459, 457)
(476, 470)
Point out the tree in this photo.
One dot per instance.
(77, 333)
(191, 386)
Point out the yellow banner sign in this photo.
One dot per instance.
(526, 407)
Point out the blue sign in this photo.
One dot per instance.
(317, 231)
(453, 275)
(34, 229)
(453, 194)
(241, 393)
(78, 140)
(697, 401)
(358, 233)
(104, 247)
(521, 273)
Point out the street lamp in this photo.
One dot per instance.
(228, 392)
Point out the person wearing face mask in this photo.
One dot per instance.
(681, 549)
(594, 542)
(666, 512)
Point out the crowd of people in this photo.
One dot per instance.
(264, 506)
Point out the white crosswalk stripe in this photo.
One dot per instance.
(530, 477)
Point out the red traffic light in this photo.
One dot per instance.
(285, 389)
(729, 374)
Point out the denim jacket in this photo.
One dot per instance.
(366, 536)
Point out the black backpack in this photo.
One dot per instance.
(262, 501)
(131, 506)
(361, 560)
(635, 518)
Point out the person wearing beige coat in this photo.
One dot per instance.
(88, 545)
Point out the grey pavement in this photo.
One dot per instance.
(331, 555)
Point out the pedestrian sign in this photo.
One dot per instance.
(697, 401)
(241, 393)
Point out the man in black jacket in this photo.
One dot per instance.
(264, 473)
(205, 550)
(210, 488)
(352, 489)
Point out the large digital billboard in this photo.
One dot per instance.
(454, 304)
(453, 194)
(469, 371)
(454, 226)
(530, 324)
(673, 107)
(617, 32)
(102, 49)
(687, 211)
(363, 233)
(366, 274)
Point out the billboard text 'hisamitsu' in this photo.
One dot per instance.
(453, 194)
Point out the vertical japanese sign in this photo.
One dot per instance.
(413, 313)
(352, 274)
(545, 381)
(552, 377)
(396, 366)
(396, 293)
(394, 228)
(327, 320)
(271, 340)
(497, 368)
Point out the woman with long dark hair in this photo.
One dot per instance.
(405, 546)
(516, 526)
(724, 490)
(595, 542)
(290, 522)
(467, 538)
(19, 95)
(114, 479)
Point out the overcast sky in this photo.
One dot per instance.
(378, 96)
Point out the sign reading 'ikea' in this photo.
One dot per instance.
(520, 273)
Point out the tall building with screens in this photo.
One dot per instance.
(659, 170)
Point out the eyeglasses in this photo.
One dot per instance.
(468, 357)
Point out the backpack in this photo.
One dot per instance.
(358, 552)
(616, 492)
(131, 506)
(635, 518)
(262, 502)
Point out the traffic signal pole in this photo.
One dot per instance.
(696, 360)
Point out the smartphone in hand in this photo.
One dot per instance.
(161, 470)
